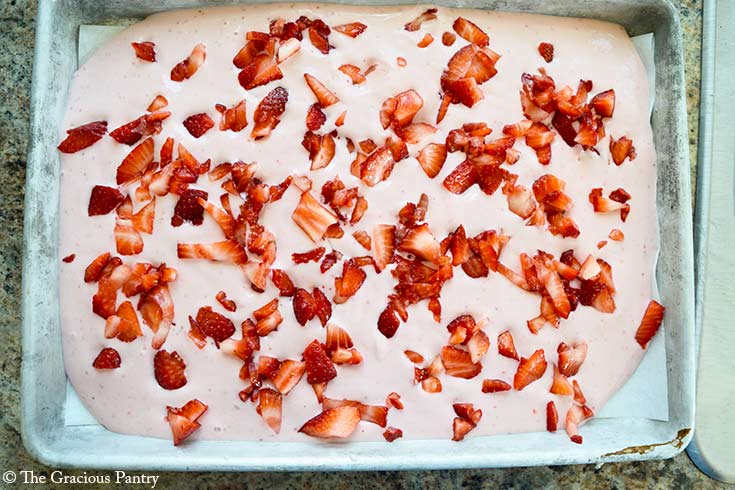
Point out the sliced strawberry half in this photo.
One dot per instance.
(383, 245)
(432, 158)
(376, 414)
(168, 369)
(352, 29)
(622, 148)
(469, 31)
(319, 367)
(458, 363)
(268, 113)
(560, 384)
(83, 136)
(103, 199)
(546, 50)
(184, 420)
(288, 375)
(323, 95)
(529, 370)
(269, 407)
(339, 422)
(108, 358)
(650, 323)
(214, 325)
(604, 103)
(552, 417)
(312, 217)
(224, 251)
(575, 416)
(157, 310)
(135, 163)
(346, 285)
(421, 242)
(188, 67)
(571, 357)
(127, 238)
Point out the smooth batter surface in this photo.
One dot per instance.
(115, 86)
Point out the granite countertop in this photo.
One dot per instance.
(17, 24)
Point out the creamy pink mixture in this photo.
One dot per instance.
(117, 87)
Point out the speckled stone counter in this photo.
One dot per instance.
(17, 23)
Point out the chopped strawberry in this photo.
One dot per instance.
(431, 384)
(376, 167)
(617, 235)
(259, 70)
(287, 49)
(650, 323)
(304, 306)
(622, 148)
(268, 318)
(604, 103)
(376, 414)
(414, 357)
(311, 256)
(323, 95)
(321, 149)
(529, 370)
(392, 433)
(459, 363)
(214, 325)
(346, 285)
(552, 417)
(337, 422)
(319, 36)
(495, 386)
(578, 395)
(415, 24)
(329, 260)
(145, 51)
(315, 118)
(108, 358)
(282, 282)
(420, 242)
(135, 163)
(478, 345)
(554, 286)
(168, 369)
(571, 357)
(184, 420)
(353, 72)
(224, 251)
(432, 158)
(128, 328)
(83, 136)
(462, 178)
(188, 67)
(425, 41)
(312, 217)
(353, 29)
(576, 415)
(269, 408)
(406, 105)
(560, 384)
(415, 133)
(288, 375)
(521, 201)
(470, 32)
(268, 113)
(319, 367)
(103, 200)
(127, 238)
(323, 306)
(159, 102)
(157, 310)
(546, 50)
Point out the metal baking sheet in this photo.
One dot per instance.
(611, 439)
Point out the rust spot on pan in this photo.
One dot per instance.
(677, 442)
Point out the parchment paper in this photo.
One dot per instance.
(645, 395)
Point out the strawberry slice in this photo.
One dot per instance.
(315, 118)
(495, 386)
(270, 408)
(319, 35)
(462, 178)
(337, 422)
(546, 50)
(146, 125)
(319, 367)
(329, 260)
(622, 148)
(578, 395)
(353, 29)
(304, 306)
(224, 251)
(145, 51)
(346, 285)
(425, 41)
(128, 328)
(159, 102)
(157, 310)
(376, 414)
(575, 416)
(323, 95)
(323, 306)
(312, 217)
(135, 163)
(198, 124)
(187, 68)
(421, 242)
(602, 204)
(313, 255)
(604, 103)
(478, 345)
(571, 357)
(268, 318)
(143, 220)
(432, 158)
(554, 286)
(470, 31)
(392, 433)
(529, 370)
(458, 363)
(539, 137)
(337, 338)
(108, 358)
(94, 270)
(415, 24)
(407, 105)
(552, 417)
(384, 237)
(127, 238)
(261, 70)
(282, 282)
(268, 113)
(353, 72)
(83, 136)
(560, 384)
(460, 428)
(226, 303)
(650, 323)
(321, 149)
(168, 368)
(376, 167)
(214, 325)
(415, 133)
(288, 375)
(521, 201)
(184, 420)
(287, 49)
(103, 199)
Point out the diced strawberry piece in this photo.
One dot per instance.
(552, 417)
(460, 428)
(83, 136)
(563, 125)
(225, 251)
(432, 384)
(268, 113)
(288, 375)
(145, 51)
(234, 118)
(269, 408)
(388, 322)
(571, 357)
(103, 200)
(392, 433)
(415, 24)
(478, 345)
(622, 148)
(261, 70)
(420, 242)
(415, 133)
(95, 269)
(470, 32)
(432, 158)
(465, 91)
(168, 369)
(214, 325)
(311, 256)
(268, 318)
(183, 420)
(376, 414)
(304, 306)
(604, 103)
(108, 358)
(546, 50)
(127, 238)
(518, 129)
(159, 102)
(349, 282)
(319, 367)
(554, 286)
(315, 118)
(459, 246)
(650, 323)
(529, 370)
(495, 386)
(521, 201)
(146, 125)
(188, 67)
(462, 178)
(377, 166)
(576, 415)
(560, 385)
(425, 41)
(287, 49)
(407, 105)
(135, 163)
(319, 36)
(323, 306)
(578, 395)
(312, 217)
(69, 258)
(157, 310)
(353, 72)
(353, 29)
(337, 422)
(323, 95)
(459, 363)
(617, 235)
(129, 328)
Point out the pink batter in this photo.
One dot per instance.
(116, 86)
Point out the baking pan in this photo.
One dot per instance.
(606, 440)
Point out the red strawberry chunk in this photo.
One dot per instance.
(383, 242)
(268, 113)
(224, 251)
(495, 386)
(329, 260)
(168, 369)
(188, 208)
(458, 363)
(529, 370)
(188, 67)
(462, 178)
(312, 217)
(323, 95)
(198, 124)
(128, 328)
(392, 433)
(460, 428)
(346, 285)
(560, 384)
(135, 163)
(650, 323)
(269, 408)
(108, 358)
(157, 310)
(415, 24)
(337, 422)
(546, 50)
(604, 103)
(425, 41)
(353, 29)
(83, 136)
(470, 31)
(288, 375)
(103, 200)
(183, 420)
(315, 118)
(145, 51)
(94, 270)
(353, 72)
(319, 367)
(552, 417)
(432, 158)
(214, 325)
(313, 255)
(323, 306)
(127, 238)
(621, 149)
